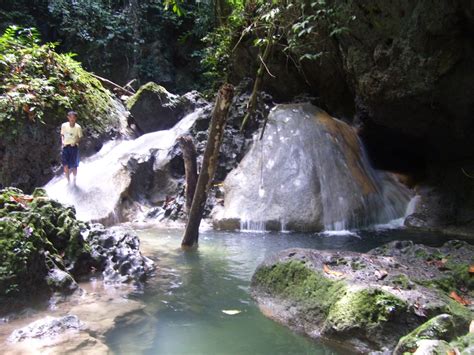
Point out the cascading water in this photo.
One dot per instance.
(310, 172)
(104, 177)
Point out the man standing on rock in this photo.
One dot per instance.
(71, 134)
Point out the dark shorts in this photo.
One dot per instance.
(70, 157)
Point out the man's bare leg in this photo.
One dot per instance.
(66, 171)
(74, 175)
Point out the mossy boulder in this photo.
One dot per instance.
(153, 108)
(391, 291)
(442, 327)
(40, 246)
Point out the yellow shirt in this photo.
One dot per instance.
(71, 135)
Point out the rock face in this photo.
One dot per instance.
(153, 108)
(402, 71)
(308, 173)
(367, 302)
(400, 65)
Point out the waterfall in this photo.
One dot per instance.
(103, 178)
(310, 172)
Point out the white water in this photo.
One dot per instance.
(104, 177)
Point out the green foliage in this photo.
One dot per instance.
(299, 30)
(39, 85)
(36, 234)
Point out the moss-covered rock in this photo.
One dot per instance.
(322, 294)
(44, 249)
(153, 108)
(442, 327)
(40, 245)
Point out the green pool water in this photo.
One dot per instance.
(185, 299)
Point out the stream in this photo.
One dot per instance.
(187, 297)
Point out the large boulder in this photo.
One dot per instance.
(308, 173)
(153, 108)
(367, 302)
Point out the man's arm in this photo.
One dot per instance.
(79, 135)
(62, 135)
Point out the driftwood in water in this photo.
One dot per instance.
(190, 167)
(209, 164)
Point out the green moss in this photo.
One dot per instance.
(441, 327)
(421, 253)
(455, 278)
(331, 300)
(36, 234)
(444, 328)
(403, 282)
(295, 281)
(364, 309)
(460, 312)
(357, 265)
(148, 87)
(463, 342)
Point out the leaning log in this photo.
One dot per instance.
(209, 164)
(190, 167)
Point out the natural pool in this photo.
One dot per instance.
(190, 290)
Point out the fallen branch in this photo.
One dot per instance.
(111, 83)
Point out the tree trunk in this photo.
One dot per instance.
(190, 167)
(209, 164)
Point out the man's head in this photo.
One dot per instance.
(72, 117)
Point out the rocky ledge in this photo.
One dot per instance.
(44, 249)
(399, 297)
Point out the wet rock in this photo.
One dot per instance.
(153, 108)
(61, 281)
(117, 250)
(309, 159)
(50, 335)
(337, 295)
(235, 145)
(48, 327)
(443, 327)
